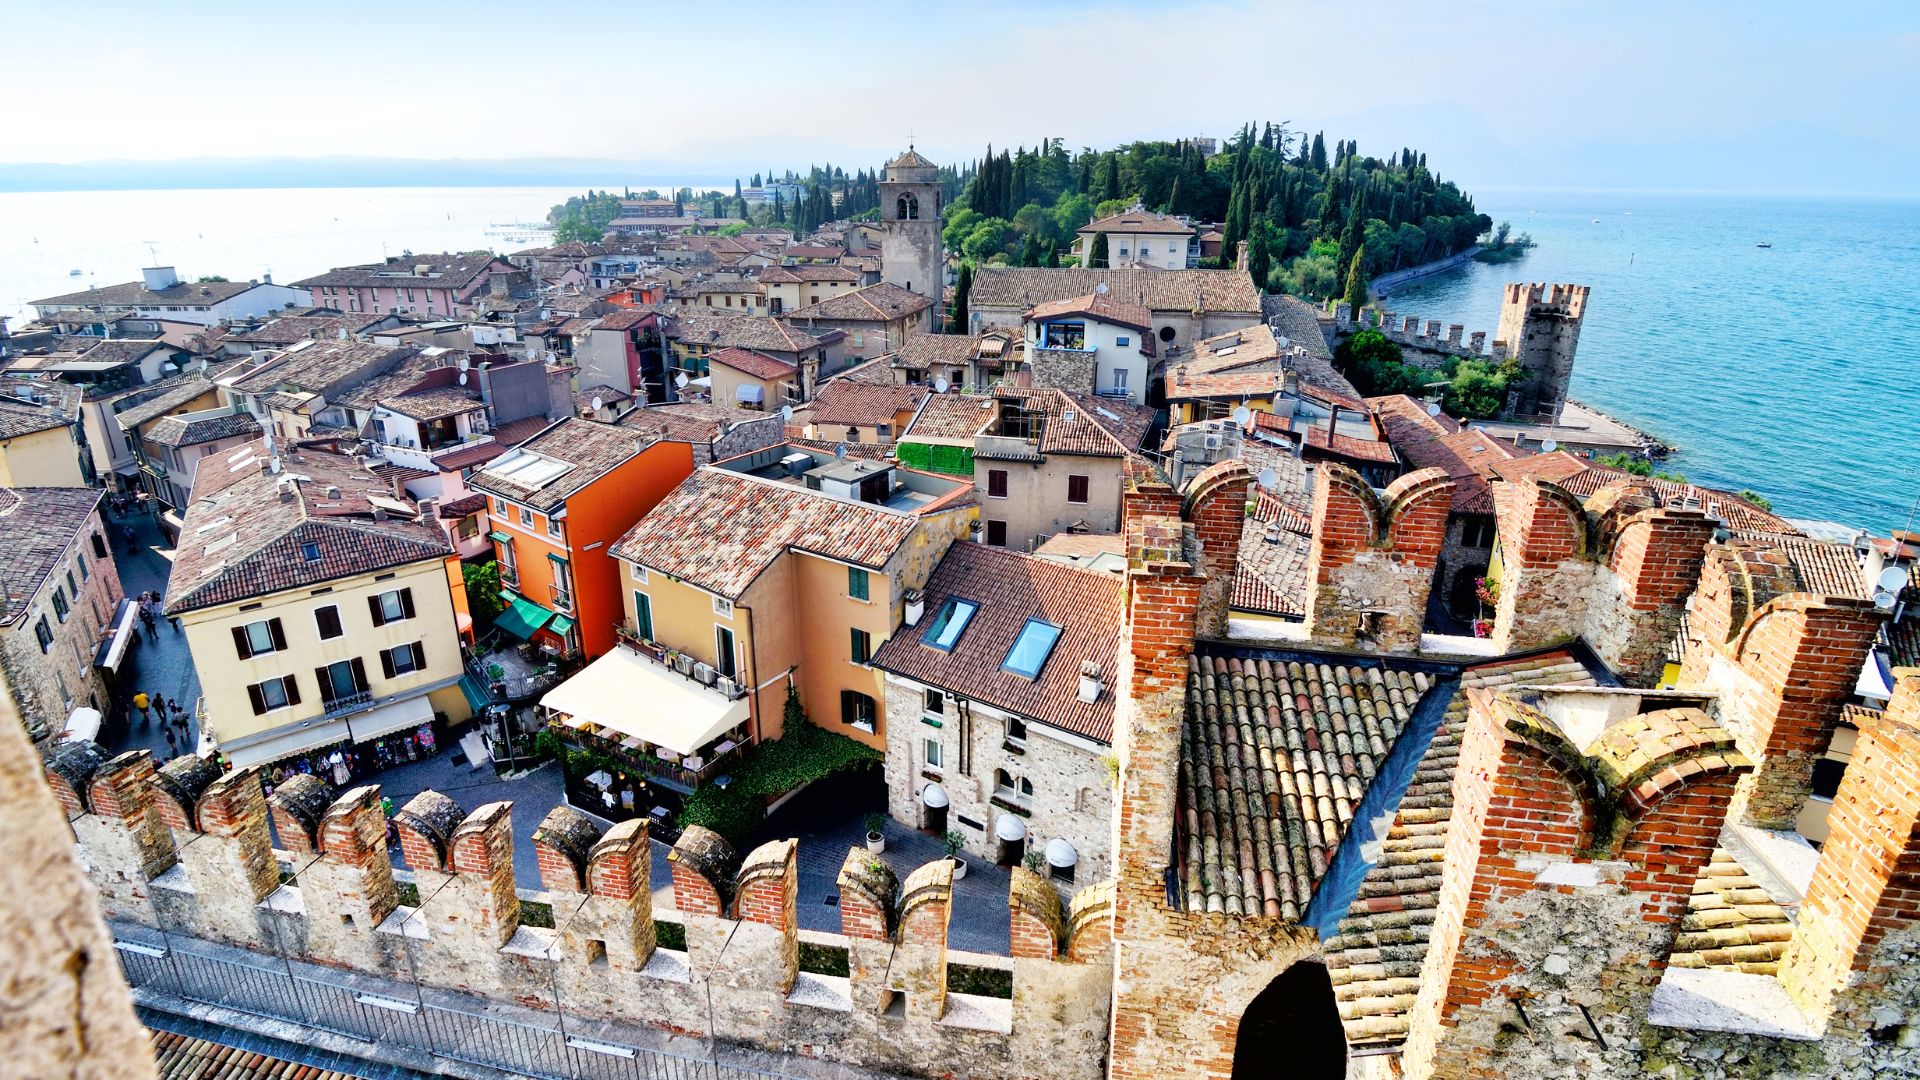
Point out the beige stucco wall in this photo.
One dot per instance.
(1036, 505)
(726, 382)
(796, 294)
(41, 459)
(224, 677)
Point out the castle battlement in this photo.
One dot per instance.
(187, 850)
(1449, 339)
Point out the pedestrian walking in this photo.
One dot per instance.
(175, 620)
(140, 702)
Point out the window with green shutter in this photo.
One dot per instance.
(857, 583)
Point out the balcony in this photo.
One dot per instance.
(639, 762)
(678, 663)
(510, 677)
(347, 703)
(562, 598)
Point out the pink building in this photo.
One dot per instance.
(427, 284)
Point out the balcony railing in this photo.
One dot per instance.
(562, 598)
(678, 663)
(347, 703)
(640, 763)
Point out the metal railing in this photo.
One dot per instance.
(347, 703)
(403, 1020)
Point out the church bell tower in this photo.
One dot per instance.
(910, 203)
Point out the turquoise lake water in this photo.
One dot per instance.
(1793, 370)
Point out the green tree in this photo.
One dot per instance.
(577, 229)
(1631, 463)
(1756, 499)
(1097, 251)
(483, 590)
(1110, 177)
(1356, 294)
(988, 239)
(1475, 392)
(962, 292)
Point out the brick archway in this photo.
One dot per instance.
(1292, 1029)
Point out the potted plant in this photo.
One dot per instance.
(876, 836)
(954, 841)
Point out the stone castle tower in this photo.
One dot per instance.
(910, 198)
(1541, 327)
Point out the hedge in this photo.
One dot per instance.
(803, 753)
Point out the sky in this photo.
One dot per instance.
(1754, 96)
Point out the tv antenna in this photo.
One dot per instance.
(153, 250)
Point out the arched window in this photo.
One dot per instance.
(908, 207)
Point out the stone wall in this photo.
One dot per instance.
(66, 1011)
(1072, 791)
(1063, 370)
(189, 853)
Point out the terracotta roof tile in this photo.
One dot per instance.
(862, 403)
(1096, 306)
(758, 365)
(1184, 291)
(1139, 221)
(37, 526)
(592, 449)
(1010, 588)
(879, 302)
(720, 530)
(952, 416)
(1376, 956)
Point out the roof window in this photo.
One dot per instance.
(1031, 649)
(949, 623)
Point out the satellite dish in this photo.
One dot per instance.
(463, 378)
(786, 414)
(1885, 600)
(1242, 416)
(840, 452)
(1282, 343)
(940, 386)
(680, 380)
(1269, 479)
(1549, 446)
(1893, 578)
(1101, 288)
(597, 403)
(1433, 408)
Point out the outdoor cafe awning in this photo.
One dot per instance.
(392, 717)
(752, 392)
(114, 649)
(522, 618)
(637, 697)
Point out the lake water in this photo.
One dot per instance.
(1793, 370)
(1790, 370)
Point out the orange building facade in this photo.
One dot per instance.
(551, 536)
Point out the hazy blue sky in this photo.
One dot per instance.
(1735, 96)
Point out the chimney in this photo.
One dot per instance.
(1089, 681)
(916, 606)
(158, 278)
(1240, 255)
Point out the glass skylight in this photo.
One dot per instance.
(1031, 648)
(949, 623)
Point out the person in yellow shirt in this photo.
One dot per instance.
(140, 702)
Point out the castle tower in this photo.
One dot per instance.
(910, 201)
(1541, 325)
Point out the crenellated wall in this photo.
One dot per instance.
(1373, 556)
(187, 849)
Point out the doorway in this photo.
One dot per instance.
(1293, 1029)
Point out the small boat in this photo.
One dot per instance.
(73, 273)
(1764, 244)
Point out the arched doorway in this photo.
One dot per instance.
(1292, 1029)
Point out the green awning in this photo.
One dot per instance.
(500, 536)
(476, 695)
(560, 625)
(522, 618)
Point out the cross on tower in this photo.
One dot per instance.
(909, 140)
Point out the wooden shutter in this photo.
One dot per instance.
(386, 663)
(293, 690)
(325, 684)
(328, 620)
(406, 602)
(1077, 489)
(419, 656)
(240, 644)
(257, 698)
(359, 675)
(278, 633)
(373, 609)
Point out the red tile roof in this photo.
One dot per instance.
(1469, 456)
(758, 365)
(1011, 588)
(721, 530)
(1096, 306)
(863, 404)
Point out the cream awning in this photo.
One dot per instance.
(391, 717)
(635, 696)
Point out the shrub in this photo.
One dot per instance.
(979, 981)
(823, 959)
(670, 935)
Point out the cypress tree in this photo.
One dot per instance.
(1356, 294)
(779, 210)
(736, 187)
(1109, 178)
(961, 293)
(1259, 259)
(1097, 251)
(1354, 235)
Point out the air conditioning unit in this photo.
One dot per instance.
(684, 664)
(1213, 442)
(705, 673)
(726, 686)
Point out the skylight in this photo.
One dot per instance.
(949, 623)
(1031, 649)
